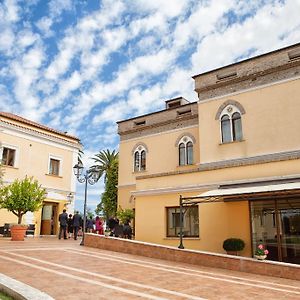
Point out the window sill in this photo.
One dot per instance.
(139, 172)
(186, 166)
(51, 175)
(178, 238)
(233, 142)
(10, 167)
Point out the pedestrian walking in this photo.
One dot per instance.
(70, 226)
(99, 225)
(89, 225)
(76, 224)
(63, 221)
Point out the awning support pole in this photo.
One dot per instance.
(181, 224)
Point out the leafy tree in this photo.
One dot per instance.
(22, 196)
(103, 162)
(125, 214)
(109, 199)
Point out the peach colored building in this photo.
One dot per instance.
(236, 150)
(48, 155)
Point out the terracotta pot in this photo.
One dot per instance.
(18, 232)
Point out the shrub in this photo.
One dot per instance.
(233, 244)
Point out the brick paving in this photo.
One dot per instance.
(65, 270)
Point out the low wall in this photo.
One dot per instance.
(236, 263)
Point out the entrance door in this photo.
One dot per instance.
(290, 230)
(49, 219)
(276, 224)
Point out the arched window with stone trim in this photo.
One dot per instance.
(231, 124)
(139, 158)
(186, 151)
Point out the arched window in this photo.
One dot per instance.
(139, 158)
(231, 124)
(185, 149)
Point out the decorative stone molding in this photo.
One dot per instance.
(237, 162)
(187, 134)
(229, 102)
(140, 144)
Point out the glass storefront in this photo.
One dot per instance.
(276, 224)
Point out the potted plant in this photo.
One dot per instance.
(107, 232)
(233, 245)
(19, 198)
(260, 252)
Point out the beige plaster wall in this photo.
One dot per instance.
(34, 159)
(217, 221)
(253, 172)
(270, 123)
(161, 157)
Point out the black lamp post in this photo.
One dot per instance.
(87, 178)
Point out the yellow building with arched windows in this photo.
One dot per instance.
(235, 152)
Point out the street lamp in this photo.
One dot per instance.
(88, 178)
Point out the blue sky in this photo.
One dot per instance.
(80, 66)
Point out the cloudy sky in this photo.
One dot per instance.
(81, 65)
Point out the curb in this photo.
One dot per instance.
(21, 291)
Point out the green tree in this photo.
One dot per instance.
(124, 215)
(109, 198)
(103, 162)
(22, 196)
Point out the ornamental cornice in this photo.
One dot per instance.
(39, 135)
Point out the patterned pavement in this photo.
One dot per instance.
(65, 270)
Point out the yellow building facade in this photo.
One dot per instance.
(34, 150)
(233, 156)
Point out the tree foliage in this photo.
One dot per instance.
(109, 199)
(125, 215)
(22, 196)
(103, 163)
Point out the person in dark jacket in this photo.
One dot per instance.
(127, 230)
(63, 221)
(76, 224)
(112, 222)
(89, 224)
(70, 225)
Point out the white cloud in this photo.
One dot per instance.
(44, 25)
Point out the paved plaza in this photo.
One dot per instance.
(65, 270)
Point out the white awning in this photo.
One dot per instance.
(219, 193)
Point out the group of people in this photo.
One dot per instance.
(118, 230)
(71, 225)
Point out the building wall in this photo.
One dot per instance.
(269, 124)
(267, 89)
(33, 150)
(217, 222)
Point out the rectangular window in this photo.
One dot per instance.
(8, 157)
(54, 166)
(190, 222)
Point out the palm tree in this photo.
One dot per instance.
(103, 162)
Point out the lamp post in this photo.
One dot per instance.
(87, 178)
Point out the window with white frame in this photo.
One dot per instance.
(140, 159)
(231, 124)
(190, 224)
(185, 150)
(9, 156)
(54, 166)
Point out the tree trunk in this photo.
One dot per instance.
(20, 218)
